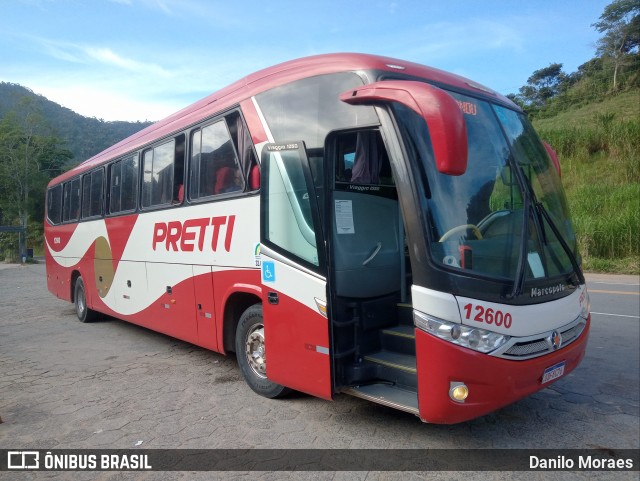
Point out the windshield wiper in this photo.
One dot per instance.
(524, 249)
(539, 206)
(539, 213)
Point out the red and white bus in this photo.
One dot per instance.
(379, 228)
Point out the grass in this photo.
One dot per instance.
(625, 265)
(599, 152)
(625, 107)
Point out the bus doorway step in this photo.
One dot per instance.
(394, 367)
(387, 395)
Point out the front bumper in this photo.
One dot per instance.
(493, 382)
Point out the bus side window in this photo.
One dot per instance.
(129, 195)
(54, 204)
(115, 180)
(244, 147)
(71, 200)
(92, 196)
(86, 195)
(163, 170)
(178, 176)
(215, 168)
(123, 180)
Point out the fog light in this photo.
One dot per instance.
(458, 391)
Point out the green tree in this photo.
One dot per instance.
(620, 24)
(542, 85)
(29, 157)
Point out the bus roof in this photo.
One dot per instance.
(266, 79)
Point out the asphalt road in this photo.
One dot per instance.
(109, 384)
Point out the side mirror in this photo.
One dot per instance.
(439, 110)
(506, 176)
(554, 157)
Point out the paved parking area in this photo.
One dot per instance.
(109, 384)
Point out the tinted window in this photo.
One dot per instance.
(54, 204)
(124, 185)
(244, 148)
(92, 194)
(115, 187)
(163, 172)
(214, 163)
(309, 109)
(129, 192)
(71, 201)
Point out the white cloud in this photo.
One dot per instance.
(109, 57)
(113, 105)
(455, 40)
(90, 54)
(61, 53)
(162, 5)
(98, 81)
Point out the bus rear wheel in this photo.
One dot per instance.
(80, 299)
(251, 354)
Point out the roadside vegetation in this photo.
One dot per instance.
(600, 163)
(39, 140)
(591, 117)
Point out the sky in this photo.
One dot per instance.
(145, 59)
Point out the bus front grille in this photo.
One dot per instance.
(521, 348)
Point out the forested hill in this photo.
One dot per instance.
(83, 136)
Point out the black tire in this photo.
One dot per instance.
(250, 352)
(80, 300)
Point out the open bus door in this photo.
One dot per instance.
(293, 263)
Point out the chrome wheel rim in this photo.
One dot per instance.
(255, 351)
(81, 303)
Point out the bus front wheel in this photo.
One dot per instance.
(251, 354)
(80, 299)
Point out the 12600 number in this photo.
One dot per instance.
(488, 315)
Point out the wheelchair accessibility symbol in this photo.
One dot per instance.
(268, 272)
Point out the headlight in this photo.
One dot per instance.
(585, 304)
(470, 337)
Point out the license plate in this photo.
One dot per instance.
(553, 372)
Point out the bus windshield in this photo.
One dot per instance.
(477, 222)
